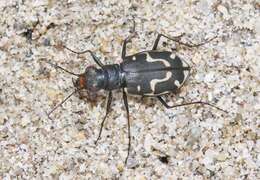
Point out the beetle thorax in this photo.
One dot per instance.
(94, 79)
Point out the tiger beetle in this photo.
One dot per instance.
(151, 73)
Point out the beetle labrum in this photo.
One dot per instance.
(151, 73)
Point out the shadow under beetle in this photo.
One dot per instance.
(151, 73)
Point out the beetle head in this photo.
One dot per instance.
(92, 80)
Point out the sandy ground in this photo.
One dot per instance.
(192, 141)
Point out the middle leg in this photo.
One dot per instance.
(128, 125)
(109, 100)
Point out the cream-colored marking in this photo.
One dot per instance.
(138, 88)
(155, 81)
(168, 74)
(125, 89)
(186, 75)
(152, 94)
(134, 58)
(177, 83)
(186, 72)
(184, 63)
(150, 59)
(173, 56)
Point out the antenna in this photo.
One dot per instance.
(63, 101)
(59, 67)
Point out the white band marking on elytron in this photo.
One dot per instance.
(150, 59)
(168, 74)
(155, 81)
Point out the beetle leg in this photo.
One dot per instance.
(123, 55)
(127, 40)
(109, 100)
(95, 58)
(128, 124)
(156, 42)
(176, 39)
(189, 103)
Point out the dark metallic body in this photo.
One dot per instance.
(148, 73)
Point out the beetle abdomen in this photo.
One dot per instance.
(153, 73)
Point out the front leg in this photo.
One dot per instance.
(109, 100)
